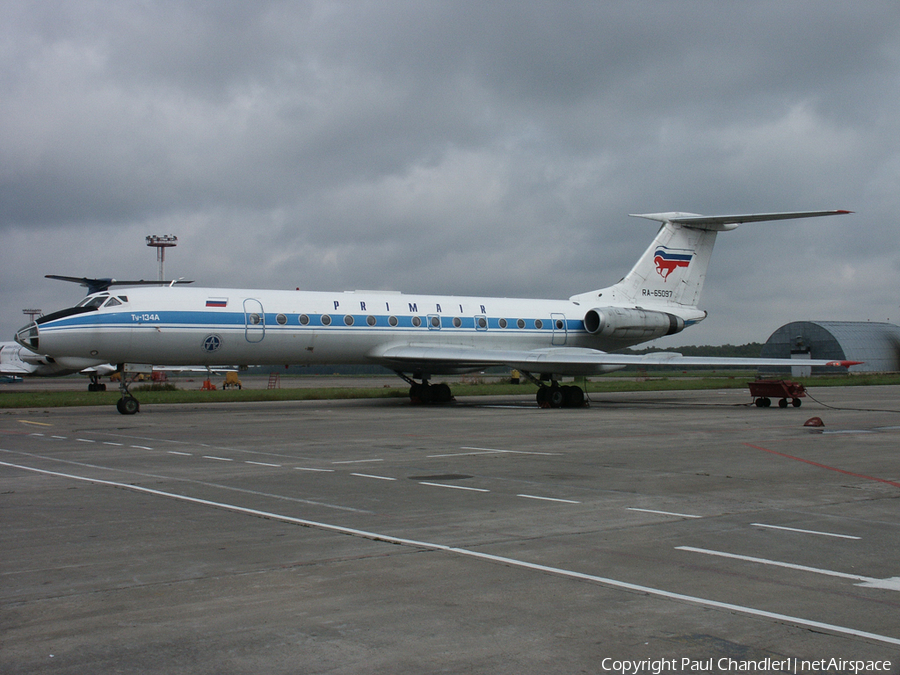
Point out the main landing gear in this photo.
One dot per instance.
(548, 396)
(556, 396)
(96, 384)
(423, 393)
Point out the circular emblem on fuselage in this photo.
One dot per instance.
(211, 343)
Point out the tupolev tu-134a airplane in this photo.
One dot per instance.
(416, 336)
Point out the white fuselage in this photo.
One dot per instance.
(177, 325)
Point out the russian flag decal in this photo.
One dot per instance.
(217, 302)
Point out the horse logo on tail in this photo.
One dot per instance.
(668, 260)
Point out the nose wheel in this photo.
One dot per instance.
(128, 405)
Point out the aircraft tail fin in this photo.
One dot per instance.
(672, 270)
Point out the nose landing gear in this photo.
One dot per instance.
(128, 404)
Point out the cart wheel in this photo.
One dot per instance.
(796, 402)
(782, 403)
(759, 403)
(766, 401)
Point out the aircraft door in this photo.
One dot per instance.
(559, 329)
(254, 320)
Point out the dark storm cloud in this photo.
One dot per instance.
(468, 147)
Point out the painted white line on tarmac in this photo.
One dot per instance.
(549, 499)
(891, 584)
(368, 475)
(796, 529)
(515, 452)
(512, 562)
(664, 513)
(454, 487)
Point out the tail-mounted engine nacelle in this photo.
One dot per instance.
(621, 322)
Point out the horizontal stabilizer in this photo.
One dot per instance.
(97, 285)
(720, 223)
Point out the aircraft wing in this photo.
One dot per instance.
(10, 369)
(563, 361)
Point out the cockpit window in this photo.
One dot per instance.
(92, 301)
(113, 302)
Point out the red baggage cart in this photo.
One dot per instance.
(763, 391)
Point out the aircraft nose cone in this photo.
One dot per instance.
(28, 336)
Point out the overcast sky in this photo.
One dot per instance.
(480, 148)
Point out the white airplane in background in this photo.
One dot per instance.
(18, 361)
(416, 336)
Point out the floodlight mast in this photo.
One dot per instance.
(33, 312)
(161, 242)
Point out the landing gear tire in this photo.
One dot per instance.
(425, 393)
(556, 398)
(569, 396)
(574, 397)
(128, 405)
(442, 393)
(420, 393)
